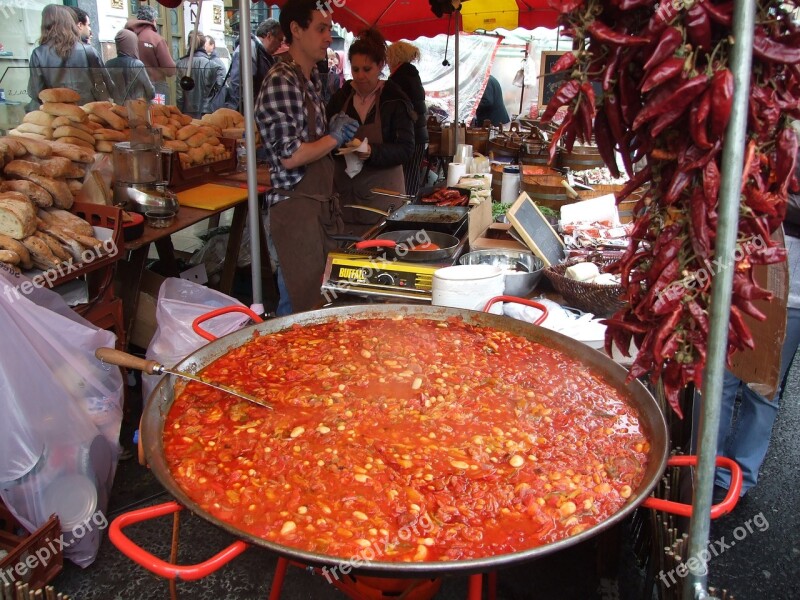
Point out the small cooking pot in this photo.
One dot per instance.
(414, 245)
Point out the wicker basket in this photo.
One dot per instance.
(602, 300)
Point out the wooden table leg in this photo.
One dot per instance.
(168, 264)
(129, 273)
(232, 250)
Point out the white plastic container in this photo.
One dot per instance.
(509, 189)
(468, 286)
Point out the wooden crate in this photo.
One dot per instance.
(34, 559)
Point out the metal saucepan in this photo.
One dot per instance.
(414, 245)
(160, 402)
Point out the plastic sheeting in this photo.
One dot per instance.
(61, 414)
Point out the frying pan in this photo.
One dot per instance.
(403, 245)
(444, 219)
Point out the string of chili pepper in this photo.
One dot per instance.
(666, 102)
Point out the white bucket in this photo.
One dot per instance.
(468, 286)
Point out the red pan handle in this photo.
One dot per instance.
(376, 244)
(217, 312)
(161, 567)
(685, 510)
(524, 301)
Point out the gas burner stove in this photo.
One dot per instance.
(370, 274)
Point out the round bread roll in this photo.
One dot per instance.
(59, 95)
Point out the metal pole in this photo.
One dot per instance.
(695, 585)
(457, 56)
(253, 210)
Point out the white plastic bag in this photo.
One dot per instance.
(180, 302)
(62, 410)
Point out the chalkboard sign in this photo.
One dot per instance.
(549, 82)
(535, 230)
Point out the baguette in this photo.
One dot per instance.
(59, 95)
(66, 220)
(54, 245)
(59, 190)
(18, 248)
(17, 217)
(66, 238)
(40, 196)
(40, 253)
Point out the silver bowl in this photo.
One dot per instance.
(522, 269)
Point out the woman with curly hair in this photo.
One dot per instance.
(404, 74)
(384, 113)
(62, 60)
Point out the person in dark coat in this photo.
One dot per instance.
(62, 60)
(153, 49)
(127, 71)
(386, 122)
(263, 44)
(400, 56)
(197, 101)
(219, 65)
(491, 106)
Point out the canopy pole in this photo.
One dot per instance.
(457, 57)
(696, 583)
(253, 209)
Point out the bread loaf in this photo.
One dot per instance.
(105, 113)
(40, 196)
(77, 142)
(39, 117)
(61, 109)
(109, 135)
(12, 146)
(77, 153)
(41, 254)
(42, 130)
(197, 140)
(22, 168)
(17, 217)
(54, 245)
(75, 185)
(59, 95)
(64, 121)
(176, 145)
(25, 134)
(18, 248)
(59, 190)
(55, 166)
(38, 149)
(66, 220)
(184, 133)
(9, 257)
(68, 131)
(104, 146)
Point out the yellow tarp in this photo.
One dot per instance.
(489, 14)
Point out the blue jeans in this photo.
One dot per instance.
(746, 440)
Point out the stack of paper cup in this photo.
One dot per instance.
(455, 171)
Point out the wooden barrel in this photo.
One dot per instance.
(527, 171)
(582, 158)
(547, 190)
(624, 208)
(600, 190)
(478, 137)
(506, 144)
(536, 153)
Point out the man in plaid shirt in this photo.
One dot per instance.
(303, 211)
